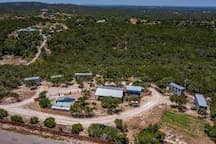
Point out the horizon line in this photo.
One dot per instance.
(113, 5)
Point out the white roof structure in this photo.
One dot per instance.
(32, 78)
(201, 100)
(134, 88)
(83, 74)
(109, 92)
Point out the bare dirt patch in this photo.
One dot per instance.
(145, 119)
(12, 60)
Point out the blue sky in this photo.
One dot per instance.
(199, 3)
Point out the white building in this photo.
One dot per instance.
(114, 92)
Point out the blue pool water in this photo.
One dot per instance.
(66, 100)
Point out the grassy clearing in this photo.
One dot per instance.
(184, 123)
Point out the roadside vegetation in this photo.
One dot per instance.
(3, 113)
(76, 128)
(150, 135)
(183, 123)
(34, 120)
(17, 119)
(50, 122)
(107, 133)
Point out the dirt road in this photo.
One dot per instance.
(18, 108)
(43, 44)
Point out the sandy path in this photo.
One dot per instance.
(43, 44)
(18, 108)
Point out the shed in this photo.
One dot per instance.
(83, 76)
(136, 90)
(114, 92)
(32, 81)
(177, 89)
(200, 102)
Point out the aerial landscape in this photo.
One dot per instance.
(107, 72)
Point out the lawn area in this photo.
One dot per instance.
(183, 123)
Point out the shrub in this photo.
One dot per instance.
(107, 133)
(45, 103)
(76, 128)
(79, 110)
(150, 135)
(34, 120)
(3, 113)
(50, 122)
(210, 131)
(109, 102)
(17, 119)
(42, 94)
(119, 124)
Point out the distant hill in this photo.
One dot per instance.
(34, 7)
(154, 12)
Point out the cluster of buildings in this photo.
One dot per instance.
(116, 92)
(36, 81)
(199, 99)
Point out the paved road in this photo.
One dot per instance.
(18, 108)
(8, 137)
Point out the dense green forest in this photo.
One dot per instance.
(24, 45)
(159, 53)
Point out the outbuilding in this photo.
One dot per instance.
(200, 102)
(134, 90)
(177, 89)
(83, 76)
(32, 81)
(104, 91)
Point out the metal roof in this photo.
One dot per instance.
(83, 74)
(56, 76)
(134, 88)
(32, 78)
(201, 100)
(177, 86)
(60, 108)
(109, 92)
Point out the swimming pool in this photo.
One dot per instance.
(71, 99)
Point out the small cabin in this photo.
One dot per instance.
(32, 81)
(177, 89)
(83, 76)
(200, 102)
(134, 90)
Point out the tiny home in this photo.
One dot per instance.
(200, 102)
(177, 89)
(32, 81)
(134, 90)
(104, 91)
(83, 76)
